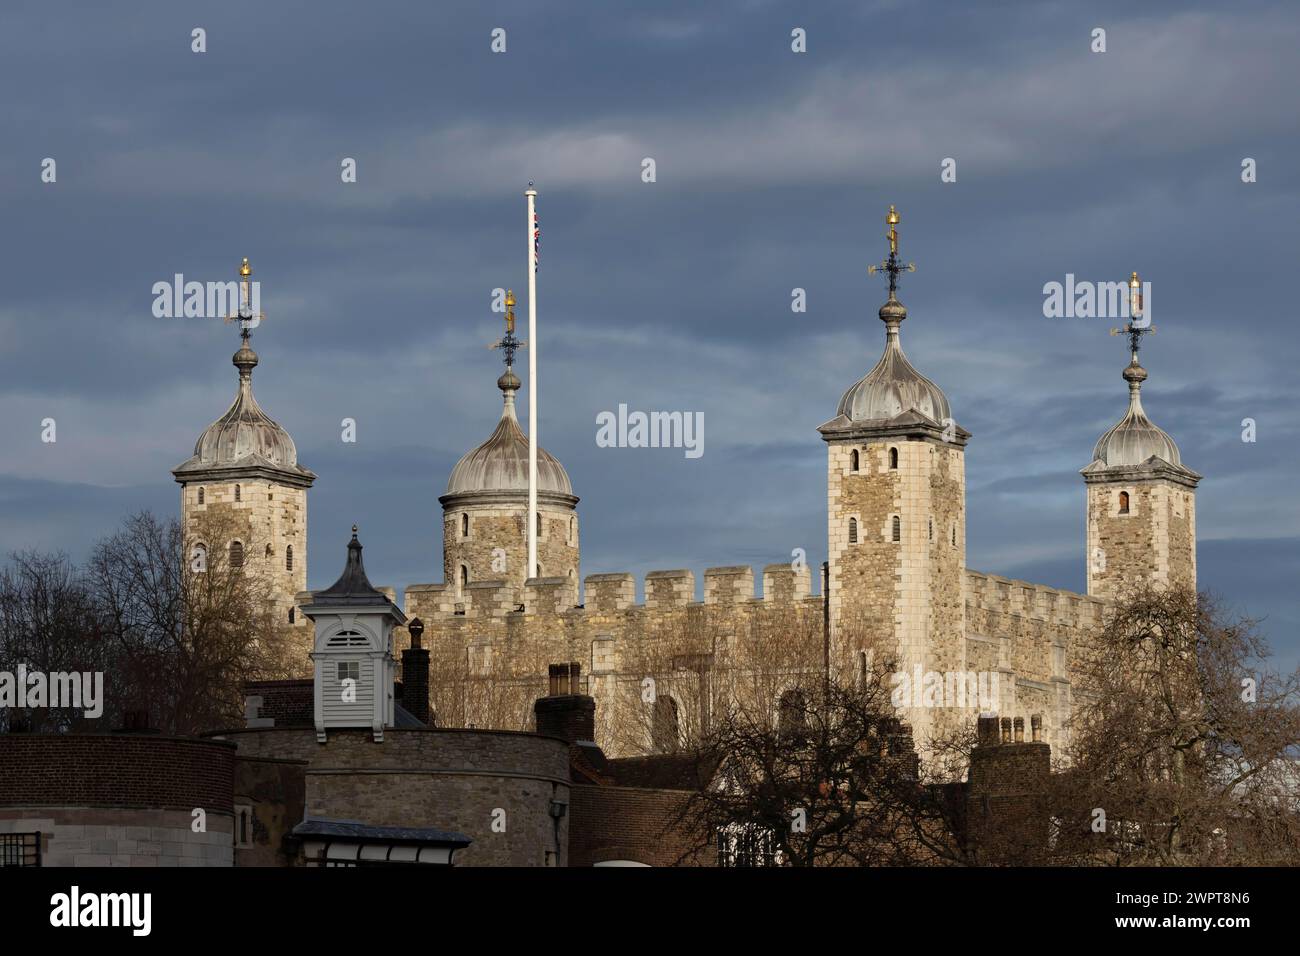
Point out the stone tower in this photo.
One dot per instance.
(1141, 499)
(485, 507)
(896, 500)
(244, 476)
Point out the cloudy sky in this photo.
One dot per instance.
(774, 170)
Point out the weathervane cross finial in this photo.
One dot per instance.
(892, 266)
(1135, 310)
(508, 342)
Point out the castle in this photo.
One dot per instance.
(896, 576)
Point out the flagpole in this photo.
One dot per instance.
(531, 193)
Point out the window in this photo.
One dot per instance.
(864, 666)
(20, 849)
(236, 554)
(931, 527)
(954, 536)
(243, 826)
(464, 526)
(292, 615)
(539, 524)
(201, 496)
(288, 558)
(464, 576)
(269, 550)
(573, 529)
(665, 728)
(853, 531)
(853, 460)
(199, 558)
(792, 718)
(349, 670)
(239, 496)
(897, 529)
(1123, 502)
(742, 845)
(893, 458)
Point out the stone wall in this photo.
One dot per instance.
(632, 825)
(446, 779)
(1155, 541)
(118, 800)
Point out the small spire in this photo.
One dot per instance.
(509, 344)
(1134, 373)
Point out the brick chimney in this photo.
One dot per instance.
(566, 712)
(415, 674)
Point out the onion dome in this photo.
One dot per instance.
(894, 399)
(893, 386)
(245, 439)
(1135, 438)
(500, 464)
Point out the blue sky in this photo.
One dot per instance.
(774, 170)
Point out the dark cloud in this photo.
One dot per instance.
(774, 171)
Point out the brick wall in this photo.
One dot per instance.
(624, 823)
(105, 770)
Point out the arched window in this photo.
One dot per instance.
(288, 560)
(665, 729)
(236, 554)
(201, 496)
(539, 524)
(853, 531)
(269, 550)
(464, 576)
(239, 495)
(898, 529)
(893, 458)
(1123, 502)
(864, 665)
(954, 536)
(853, 460)
(464, 525)
(932, 527)
(199, 558)
(573, 528)
(792, 717)
(292, 616)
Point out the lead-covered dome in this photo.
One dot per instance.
(893, 386)
(1135, 438)
(245, 437)
(500, 464)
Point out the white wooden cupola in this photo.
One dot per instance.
(353, 651)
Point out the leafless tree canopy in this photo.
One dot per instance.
(1184, 748)
(172, 639)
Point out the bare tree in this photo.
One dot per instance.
(829, 776)
(48, 623)
(1184, 747)
(191, 625)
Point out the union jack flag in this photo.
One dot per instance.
(537, 243)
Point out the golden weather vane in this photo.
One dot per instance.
(244, 314)
(1135, 309)
(892, 266)
(509, 343)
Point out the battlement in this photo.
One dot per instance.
(783, 585)
(991, 592)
